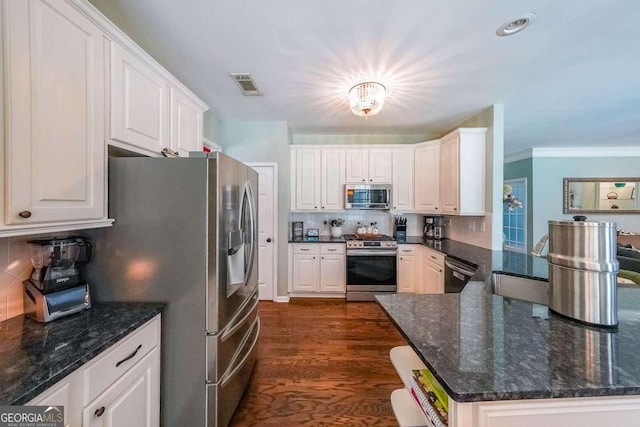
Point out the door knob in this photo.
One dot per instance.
(25, 214)
(268, 239)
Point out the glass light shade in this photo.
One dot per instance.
(367, 98)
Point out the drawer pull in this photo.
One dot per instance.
(25, 214)
(331, 250)
(432, 257)
(406, 250)
(131, 356)
(304, 249)
(99, 411)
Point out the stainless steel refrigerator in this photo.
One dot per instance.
(185, 234)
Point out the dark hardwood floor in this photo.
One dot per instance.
(322, 363)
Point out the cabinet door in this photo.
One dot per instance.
(132, 401)
(307, 179)
(433, 282)
(380, 161)
(357, 169)
(306, 273)
(54, 97)
(402, 191)
(449, 176)
(332, 183)
(139, 103)
(406, 273)
(333, 273)
(427, 178)
(67, 393)
(186, 124)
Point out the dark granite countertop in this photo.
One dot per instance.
(34, 356)
(319, 239)
(485, 347)
(486, 260)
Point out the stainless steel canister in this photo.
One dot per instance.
(583, 271)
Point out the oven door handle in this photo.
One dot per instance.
(459, 268)
(372, 252)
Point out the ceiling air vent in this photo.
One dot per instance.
(246, 83)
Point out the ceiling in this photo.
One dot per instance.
(571, 79)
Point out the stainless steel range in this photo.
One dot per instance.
(371, 267)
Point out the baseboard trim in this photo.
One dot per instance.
(316, 295)
(281, 298)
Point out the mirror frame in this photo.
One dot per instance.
(565, 196)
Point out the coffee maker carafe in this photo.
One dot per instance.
(55, 262)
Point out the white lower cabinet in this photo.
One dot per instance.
(317, 269)
(432, 281)
(408, 267)
(121, 387)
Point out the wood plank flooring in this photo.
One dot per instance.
(322, 362)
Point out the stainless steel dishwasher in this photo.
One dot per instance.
(456, 274)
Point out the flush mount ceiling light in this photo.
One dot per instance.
(367, 98)
(515, 25)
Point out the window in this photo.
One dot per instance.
(515, 220)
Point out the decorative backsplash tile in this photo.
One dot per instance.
(354, 218)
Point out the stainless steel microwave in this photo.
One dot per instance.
(367, 196)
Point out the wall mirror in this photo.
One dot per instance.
(601, 195)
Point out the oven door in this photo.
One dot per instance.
(371, 270)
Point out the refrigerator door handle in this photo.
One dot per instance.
(238, 325)
(229, 375)
(249, 235)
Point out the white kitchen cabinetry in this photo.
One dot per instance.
(408, 267)
(54, 169)
(317, 269)
(462, 172)
(370, 165)
(427, 177)
(186, 123)
(121, 387)
(402, 191)
(317, 180)
(139, 103)
(432, 280)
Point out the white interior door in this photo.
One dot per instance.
(267, 228)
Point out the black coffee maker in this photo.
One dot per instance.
(436, 227)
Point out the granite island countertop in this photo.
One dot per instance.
(484, 347)
(34, 356)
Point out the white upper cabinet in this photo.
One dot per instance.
(317, 179)
(139, 103)
(306, 181)
(462, 172)
(402, 191)
(332, 179)
(380, 164)
(186, 124)
(427, 178)
(357, 165)
(370, 165)
(54, 168)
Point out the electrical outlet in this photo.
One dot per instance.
(482, 227)
(472, 226)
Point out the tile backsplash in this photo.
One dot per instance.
(353, 218)
(15, 266)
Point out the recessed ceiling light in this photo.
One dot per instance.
(515, 25)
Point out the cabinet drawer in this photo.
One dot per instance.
(407, 249)
(330, 248)
(434, 256)
(313, 248)
(110, 366)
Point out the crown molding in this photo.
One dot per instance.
(539, 152)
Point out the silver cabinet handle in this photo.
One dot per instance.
(331, 250)
(304, 249)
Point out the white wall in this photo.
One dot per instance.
(548, 175)
(265, 142)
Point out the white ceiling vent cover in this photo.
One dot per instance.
(246, 83)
